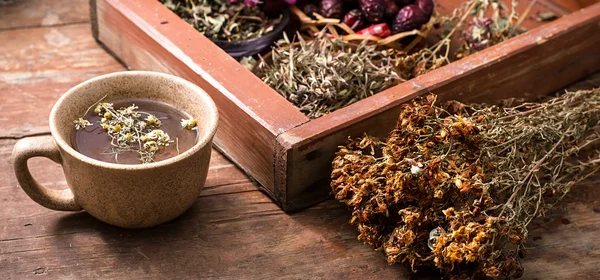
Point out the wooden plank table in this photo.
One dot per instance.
(233, 231)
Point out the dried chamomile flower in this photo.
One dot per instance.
(130, 111)
(116, 128)
(129, 137)
(188, 124)
(151, 146)
(81, 123)
(159, 136)
(153, 120)
(98, 109)
(129, 130)
(108, 115)
(102, 107)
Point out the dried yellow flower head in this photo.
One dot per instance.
(188, 124)
(81, 123)
(153, 120)
(453, 185)
(116, 128)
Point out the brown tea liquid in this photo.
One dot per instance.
(94, 142)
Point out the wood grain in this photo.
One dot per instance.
(40, 64)
(533, 64)
(37, 13)
(574, 5)
(150, 37)
(234, 231)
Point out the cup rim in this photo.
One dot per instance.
(203, 140)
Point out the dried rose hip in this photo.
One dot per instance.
(274, 7)
(391, 9)
(402, 3)
(332, 8)
(381, 30)
(426, 6)
(411, 17)
(354, 19)
(309, 9)
(372, 9)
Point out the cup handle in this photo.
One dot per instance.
(43, 146)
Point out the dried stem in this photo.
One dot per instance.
(457, 185)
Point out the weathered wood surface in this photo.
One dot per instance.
(37, 13)
(233, 231)
(574, 5)
(37, 65)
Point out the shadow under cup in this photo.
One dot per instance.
(140, 195)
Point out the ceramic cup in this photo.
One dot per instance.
(129, 196)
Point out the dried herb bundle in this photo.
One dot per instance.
(323, 75)
(455, 186)
(224, 19)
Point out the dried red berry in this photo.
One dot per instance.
(354, 19)
(332, 8)
(391, 9)
(402, 3)
(426, 6)
(309, 9)
(373, 10)
(274, 7)
(381, 30)
(410, 17)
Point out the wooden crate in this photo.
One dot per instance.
(290, 155)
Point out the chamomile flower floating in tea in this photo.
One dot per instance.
(134, 131)
(188, 124)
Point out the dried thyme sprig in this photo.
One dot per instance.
(223, 19)
(323, 75)
(455, 186)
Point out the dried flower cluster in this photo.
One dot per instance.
(490, 23)
(323, 75)
(130, 131)
(224, 19)
(455, 186)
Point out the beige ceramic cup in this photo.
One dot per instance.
(130, 196)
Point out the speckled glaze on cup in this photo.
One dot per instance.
(129, 196)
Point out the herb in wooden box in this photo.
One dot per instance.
(322, 75)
